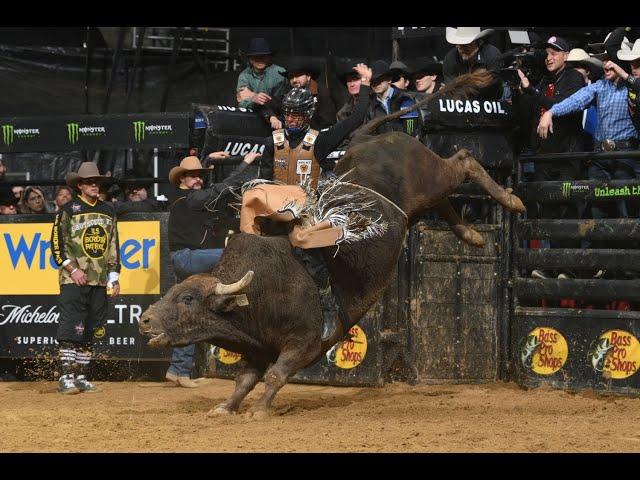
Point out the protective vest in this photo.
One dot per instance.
(295, 166)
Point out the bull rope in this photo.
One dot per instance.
(373, 191)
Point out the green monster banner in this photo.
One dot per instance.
(93, 132)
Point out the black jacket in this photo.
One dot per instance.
(376, 110)
(191, 225)
(567, 130)
(487, 57)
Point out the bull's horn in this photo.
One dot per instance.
(222, 289)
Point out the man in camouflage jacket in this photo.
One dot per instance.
(84, 242)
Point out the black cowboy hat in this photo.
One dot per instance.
(299, 65)
(128, 180)
(259, 46)
(428, 67)
(379, 68)
(398, 69)
(344, 68)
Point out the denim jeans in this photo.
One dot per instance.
(186, 263)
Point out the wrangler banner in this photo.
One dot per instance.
(94, 132)
(29, 288)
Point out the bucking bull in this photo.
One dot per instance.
(260, 302)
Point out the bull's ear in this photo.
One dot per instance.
(226, 303)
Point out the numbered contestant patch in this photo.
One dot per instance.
(95, 240)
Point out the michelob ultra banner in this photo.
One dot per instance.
(77, 132)
(28, 267)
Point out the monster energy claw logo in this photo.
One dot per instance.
(410, 126)
(566, 189)
(73, 130)
(138, 129)
(7, 134)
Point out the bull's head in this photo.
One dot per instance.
(187, 312)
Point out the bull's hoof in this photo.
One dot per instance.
(514, 203)
(220, 410)
(473, 238)
(257, 414)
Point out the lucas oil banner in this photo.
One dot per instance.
(93, 132)
(29, 289)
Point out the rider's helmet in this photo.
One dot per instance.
(299, 102)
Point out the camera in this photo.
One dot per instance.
(531, 63)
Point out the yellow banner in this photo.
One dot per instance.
(27, 266)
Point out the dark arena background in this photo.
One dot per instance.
(468, 350)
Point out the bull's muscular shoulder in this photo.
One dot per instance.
(248, 245)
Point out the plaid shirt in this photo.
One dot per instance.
(614, 121)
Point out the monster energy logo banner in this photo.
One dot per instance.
(10, 133)
(140, 128)
(568, 188)
(74, 130)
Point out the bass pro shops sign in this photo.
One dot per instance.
(29, 291)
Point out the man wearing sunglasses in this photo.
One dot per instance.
(84, 243)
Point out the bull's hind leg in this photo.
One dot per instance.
(292, 358)
(246, 379)
(477, 174)
(464, 232)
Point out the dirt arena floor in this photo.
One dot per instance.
(156, 417)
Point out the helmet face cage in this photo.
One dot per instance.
(299, 101)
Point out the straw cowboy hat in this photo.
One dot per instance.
(188, 164)
(86, 170)
(465, 35)
(630, 55)
(578, 57)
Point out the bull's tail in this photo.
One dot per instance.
(463, 86)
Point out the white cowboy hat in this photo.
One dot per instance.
(465, 35)
(578, 56)
(632, 54)
(188, 164)
(86, 170)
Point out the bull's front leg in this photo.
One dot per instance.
(463, 161)
(289, 362)
(246, 379)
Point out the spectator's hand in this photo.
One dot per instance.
(524, 81)
(261, 98)
(275, 123)
(250, 157)
(244, 94)
(609, 65)
(79, 277)
(116, 289)
(218, 155)
(546, 125)
(364, 72)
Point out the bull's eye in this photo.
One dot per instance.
(187, 299)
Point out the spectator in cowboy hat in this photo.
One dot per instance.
(260, 82)
(301, 74)
(401, 75)
(136, 196)
(192, 242)
(632, 81)
(471, 52)
(352, 81)
(8, 202)
(387, 99)
(427, 77)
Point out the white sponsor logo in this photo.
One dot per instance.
(158, 128)
(468, 106)
(26, 131)
(91, 130)
(36, 341)
(239, 148)
(233, 109)
(18, 314)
